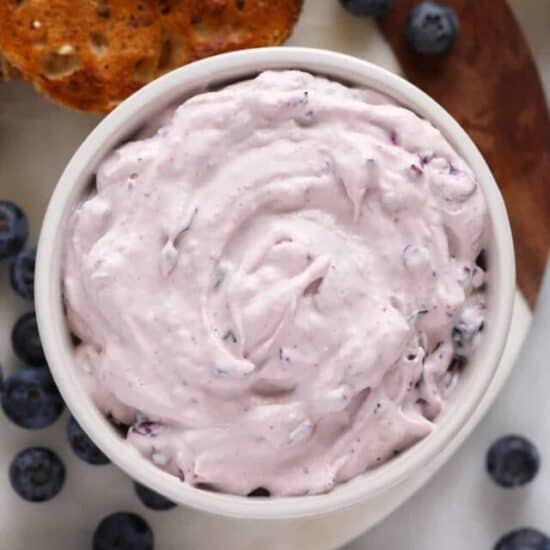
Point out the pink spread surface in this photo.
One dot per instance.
(277, 288)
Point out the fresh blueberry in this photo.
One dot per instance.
(14, 229)
(83, 446)
(123, 531)
(523, 539)
(22, 273)
(152, 499)
(26, 341)
(432, 28)
(367, 8)
(37, 474)
(31, 399)
(512, 461)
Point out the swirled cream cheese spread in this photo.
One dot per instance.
(277, 288)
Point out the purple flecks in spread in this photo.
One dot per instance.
(188, 225)
(417, 314)
(426, 158)
(415, 172)
(315, 242)
(453, 170)
(470, 323)
(145, 427)
(230, 336)
(221, 274)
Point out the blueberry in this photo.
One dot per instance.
(22, 273)
(31, 399)
(152, 499)
(470, 322)
(37, 474)
(145, 427)
(462, 339)
(14, 229)
(512, 461)
(523, 539)
(123, 531)
(26, 341)
(367, 8)
(83, 446)
(432, 28)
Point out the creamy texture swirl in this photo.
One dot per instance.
(278, 286)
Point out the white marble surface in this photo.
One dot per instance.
(458, 509)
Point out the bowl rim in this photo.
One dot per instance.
(126, 119)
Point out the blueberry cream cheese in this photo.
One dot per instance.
(277, 287)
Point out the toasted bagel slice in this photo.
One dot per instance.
(91, 54)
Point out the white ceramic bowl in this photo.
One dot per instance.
(122, 123)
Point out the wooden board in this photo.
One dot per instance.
(490, 84)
